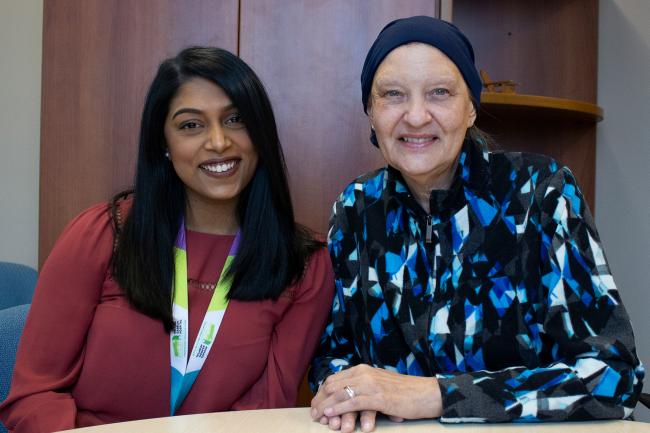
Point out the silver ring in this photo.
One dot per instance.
(350, 391)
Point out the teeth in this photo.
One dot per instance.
(219, 168)
(416, 140)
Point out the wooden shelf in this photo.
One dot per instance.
(519, 105)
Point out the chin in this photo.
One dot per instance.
(417, 169)
(224, 197)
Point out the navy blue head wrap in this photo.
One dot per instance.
(442, 35)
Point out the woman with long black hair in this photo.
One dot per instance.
(196, 291)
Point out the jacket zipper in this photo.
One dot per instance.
(429, 233)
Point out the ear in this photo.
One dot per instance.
(472, 115)
(369, 113)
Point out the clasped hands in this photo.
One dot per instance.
(363, 391)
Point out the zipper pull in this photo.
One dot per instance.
(429, 229)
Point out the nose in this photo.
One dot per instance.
(217, 139)
(417, 113)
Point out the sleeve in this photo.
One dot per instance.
(51, 350)
(593, 370)
(294, 340)
(336, 349)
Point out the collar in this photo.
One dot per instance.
(472, 175)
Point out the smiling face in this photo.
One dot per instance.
(208, 144)
(420, 109)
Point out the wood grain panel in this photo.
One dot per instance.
(99, 56)
(549, 47)
(310, 57)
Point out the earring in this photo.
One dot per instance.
(167, 154)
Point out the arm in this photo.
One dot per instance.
(336, 364)
(593, 372)
(294, 339)
(51, 350)
(336, 349)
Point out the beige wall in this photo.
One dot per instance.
(623, 159)
(21, 23)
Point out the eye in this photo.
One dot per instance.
(392, 93)
(440, 91)
(234, 120)
(190, 125)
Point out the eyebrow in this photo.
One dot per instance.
(386, 82)
(390, 81)
(197, 111)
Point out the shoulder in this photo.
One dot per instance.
(93, 219)
(507, 162)
(522, 172)
(368, 186)
(104, 217)
(85, 244)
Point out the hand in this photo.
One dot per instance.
(377, 390)
(347, 422)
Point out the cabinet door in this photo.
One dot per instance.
(99, 56)
(309, 56)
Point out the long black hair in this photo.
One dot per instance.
(273, 249)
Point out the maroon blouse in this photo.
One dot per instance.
(87, 357)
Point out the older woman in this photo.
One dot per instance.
(471, 285)
(198, 292)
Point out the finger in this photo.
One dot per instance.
(332, 400)
(395, 418)
(356, 404)
(324, 420)
(348, 422)
(321, 395)
(315, 403)
(367, 420)
(334, 422)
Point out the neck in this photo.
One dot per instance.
(205, 216)
(421, 187)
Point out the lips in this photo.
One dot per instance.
(417, 140)
(220, 168)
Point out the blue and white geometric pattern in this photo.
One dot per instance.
(509, 302)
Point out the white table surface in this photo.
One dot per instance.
(298, 420)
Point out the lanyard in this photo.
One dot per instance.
(184, 370)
